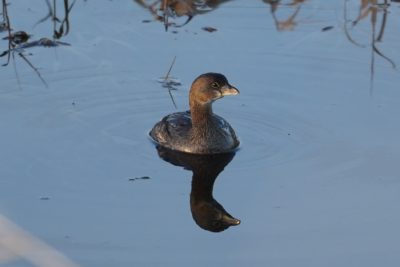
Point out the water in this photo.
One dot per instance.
(314, 183)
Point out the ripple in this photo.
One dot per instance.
(272, 134)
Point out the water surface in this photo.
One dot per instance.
(314, 183)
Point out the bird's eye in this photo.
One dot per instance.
(215, 85)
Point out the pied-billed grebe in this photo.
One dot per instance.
(199, 131)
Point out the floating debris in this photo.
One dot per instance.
(171, 83)
(3, 27)
(18, 42)
(209, 29)
(327, 28)
(45, 42)
(139, 178)
(18, 37)
(44, 198)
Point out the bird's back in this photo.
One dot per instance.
(175, 132)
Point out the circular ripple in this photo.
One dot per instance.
(271, 134)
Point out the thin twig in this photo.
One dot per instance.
(34, 68)
(383, 56)
(167, 84)
(65, 21)
(16, 72)
(170, 68)
(169, 87)
(346, 31)
(172, 98)
(7, 19)
(372, 67)
(49, 14)
(165, 10)
(383, 25)
(52, 13)
(54, 16)
(183, 24)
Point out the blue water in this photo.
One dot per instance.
(314, 183)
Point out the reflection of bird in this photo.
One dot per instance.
(199, 131)
(206, 211)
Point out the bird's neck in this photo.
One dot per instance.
(201, 114)
(202, 186)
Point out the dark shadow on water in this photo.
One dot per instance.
(206, 211)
